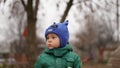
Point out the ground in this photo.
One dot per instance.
(94, 65)
(87, 65)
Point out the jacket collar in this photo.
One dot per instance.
(59, 51)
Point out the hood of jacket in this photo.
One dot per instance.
(59, 51)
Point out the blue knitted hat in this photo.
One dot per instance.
(61, 30)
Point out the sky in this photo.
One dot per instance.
(3, 27)
(53, 14)
(49, 13)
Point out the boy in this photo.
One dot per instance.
(58, 53)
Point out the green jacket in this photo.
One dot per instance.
(58, 58)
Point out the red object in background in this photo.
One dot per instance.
(25, 32)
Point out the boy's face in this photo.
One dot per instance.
(52, 41)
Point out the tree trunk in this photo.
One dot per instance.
(31, 47)
(31, 50)
(101, 53)
(117, 18)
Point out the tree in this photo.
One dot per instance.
(31, 12)
(114, 60)
(69, 5)
(96, 35)
(117, 17)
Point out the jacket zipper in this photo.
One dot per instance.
(55, 63)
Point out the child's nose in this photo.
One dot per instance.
(49, 40)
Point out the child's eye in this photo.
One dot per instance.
(53, 37)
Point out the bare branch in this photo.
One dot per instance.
(4, 1)
(36, 7)
(23, 3)
(69, 5)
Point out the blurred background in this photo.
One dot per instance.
(93, 25)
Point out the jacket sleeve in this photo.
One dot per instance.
(78, 63)
(38, 63)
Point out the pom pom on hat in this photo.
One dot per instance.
(61, 30)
